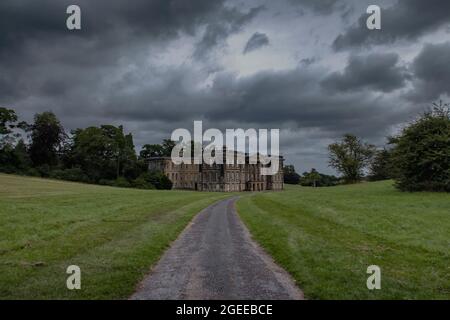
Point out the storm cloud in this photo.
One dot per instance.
(378, 72)
(158, 65)
(256, 41)
(405, 20)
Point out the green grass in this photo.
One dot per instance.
(113, 234)
(327, 237)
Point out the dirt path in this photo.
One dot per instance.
(215, 258)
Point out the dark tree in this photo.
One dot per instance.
(8, 119)
(311, 178)
(317, 179)
(382, 167)
(422, 152)
(47, 137)
(290, 176)
(150, 151)
(350, 157)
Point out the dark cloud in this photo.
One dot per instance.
(156, 65)
(432, 73)
(406, 19)
(317, 6)
(226, 23)
(256, 41)
(378, 72)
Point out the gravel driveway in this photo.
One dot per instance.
(215, 258)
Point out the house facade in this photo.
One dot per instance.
(219, 177)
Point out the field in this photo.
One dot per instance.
(327, 237)
(113, 234)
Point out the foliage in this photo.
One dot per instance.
(157, 150)
(157, 179)
(73, 174)
(104, 152)
(382, 166)
(121, 182)
(316, 179)
(422, 152)
(290, 176)
(47, 136)
(350, 157)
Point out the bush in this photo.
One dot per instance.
(316, 179)
(422, 152)
(33, 172)
(121, 182)
(105, 182)
(157, 179)
(141, 183)
(44, 170)
(74, 174)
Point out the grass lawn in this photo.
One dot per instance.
(327, 237)
(114, 235)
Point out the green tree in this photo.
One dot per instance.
(421, 152)
(104, 153)
(381, 167)
(47, 137)
(350, 157)
(8, 122)
(151, 151)
(316, 179)
(167, 146)
(312, 177)
(290, 176)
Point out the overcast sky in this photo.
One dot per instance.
(308, 67)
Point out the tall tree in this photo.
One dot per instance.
(47, 136)
(381, 167)
(8, 118)
(350, 157)
(105, 152)
(290, 176)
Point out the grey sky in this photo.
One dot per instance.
(307, 67)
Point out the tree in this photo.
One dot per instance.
(421, 152)
(167, 146)
(105, 153)
(290, 176)
(312, 177)
(350, 157)
(316, 179)
(47, 136)
(8, 119)
(381, 167)
(151, 151)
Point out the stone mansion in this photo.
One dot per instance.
(218, 177)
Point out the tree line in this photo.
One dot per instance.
(102, 155)
(418, 158)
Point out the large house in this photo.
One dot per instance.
(219, 177)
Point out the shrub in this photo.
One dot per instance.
(121, 182)
(105, 182)
(74, 174)
(141, 183)
(422, 152)
(157, 179)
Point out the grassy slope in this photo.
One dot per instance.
(326, 238)
(113, 234)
